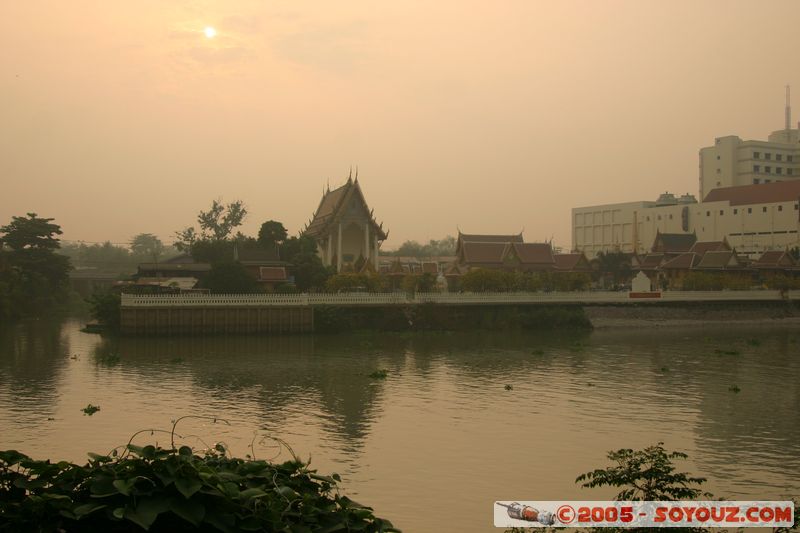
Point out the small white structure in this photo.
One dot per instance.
(641, 283)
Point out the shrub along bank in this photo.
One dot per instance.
(168, 490)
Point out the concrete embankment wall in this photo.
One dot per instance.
(448, 317)
(202, 320)
(691, 314)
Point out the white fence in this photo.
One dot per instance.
(466, 298)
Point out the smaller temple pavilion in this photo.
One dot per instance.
(347, 235)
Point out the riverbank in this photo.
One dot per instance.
(667, 314)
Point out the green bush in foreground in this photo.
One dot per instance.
(168, 490)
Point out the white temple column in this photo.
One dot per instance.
(339, 250)
(328, 256)
(366, 241)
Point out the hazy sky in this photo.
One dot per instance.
(120, 118)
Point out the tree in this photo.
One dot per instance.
(445, 246)
(33, 277)
(147, 245)
(216, 224)
(272, 233)
(615, 266)
(305, 265)
(31, 233)
(230, 277)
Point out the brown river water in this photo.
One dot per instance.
(432, 446)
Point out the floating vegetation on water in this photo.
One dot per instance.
(754, 342)
(664, 369)
(734, 388)
(537, 352)
(90, 409)
(176, 360)
(726, 352)
(108, 359)
(509, 387)
(379, 374)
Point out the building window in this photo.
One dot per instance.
(717, 158)
(766, 181)
(764, 209)
(768, 169)
(756, 155)
(648, 219)
(756, 181)
(756, 168)
(721, 212)
(789, 158)
(708, 213)
(735, 211)
(778, 157)
(789, 171)
(796, 207)
(780, 208)
(670, 217)
(767, 156)
(719, 171)
(659, 217)
(778, 170)
(749, 210)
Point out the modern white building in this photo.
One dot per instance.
(732, 161)
(749, 189)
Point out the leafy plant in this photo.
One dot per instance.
(734, 388)
(379, 374)
(646, 475)
(174, 490)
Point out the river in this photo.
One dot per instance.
(436, 442)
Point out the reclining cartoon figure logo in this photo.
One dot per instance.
(527, 513)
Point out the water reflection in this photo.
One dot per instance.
(32, 356)
(442, 426)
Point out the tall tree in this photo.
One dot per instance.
(147, 245)
(272, 233)
(32, 232)
(34, 276)
(216, 224)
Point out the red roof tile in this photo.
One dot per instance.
(681, 262)
(701, 248)
(534, 253)
(571, 262)
(272, 274)
(766, 193)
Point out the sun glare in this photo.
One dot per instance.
(210, 32)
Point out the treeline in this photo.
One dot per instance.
(214, 240)
(109, 257)
(33, 277)
(434, 248)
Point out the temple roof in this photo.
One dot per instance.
(332, 205)
(719, 260)
(684, 261)
(672, 243)
(710, 246)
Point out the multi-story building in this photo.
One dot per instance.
(749, 189)
(753, 218)
(732, 162)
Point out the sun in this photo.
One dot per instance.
(210, 32)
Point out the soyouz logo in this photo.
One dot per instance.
(644, 514)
